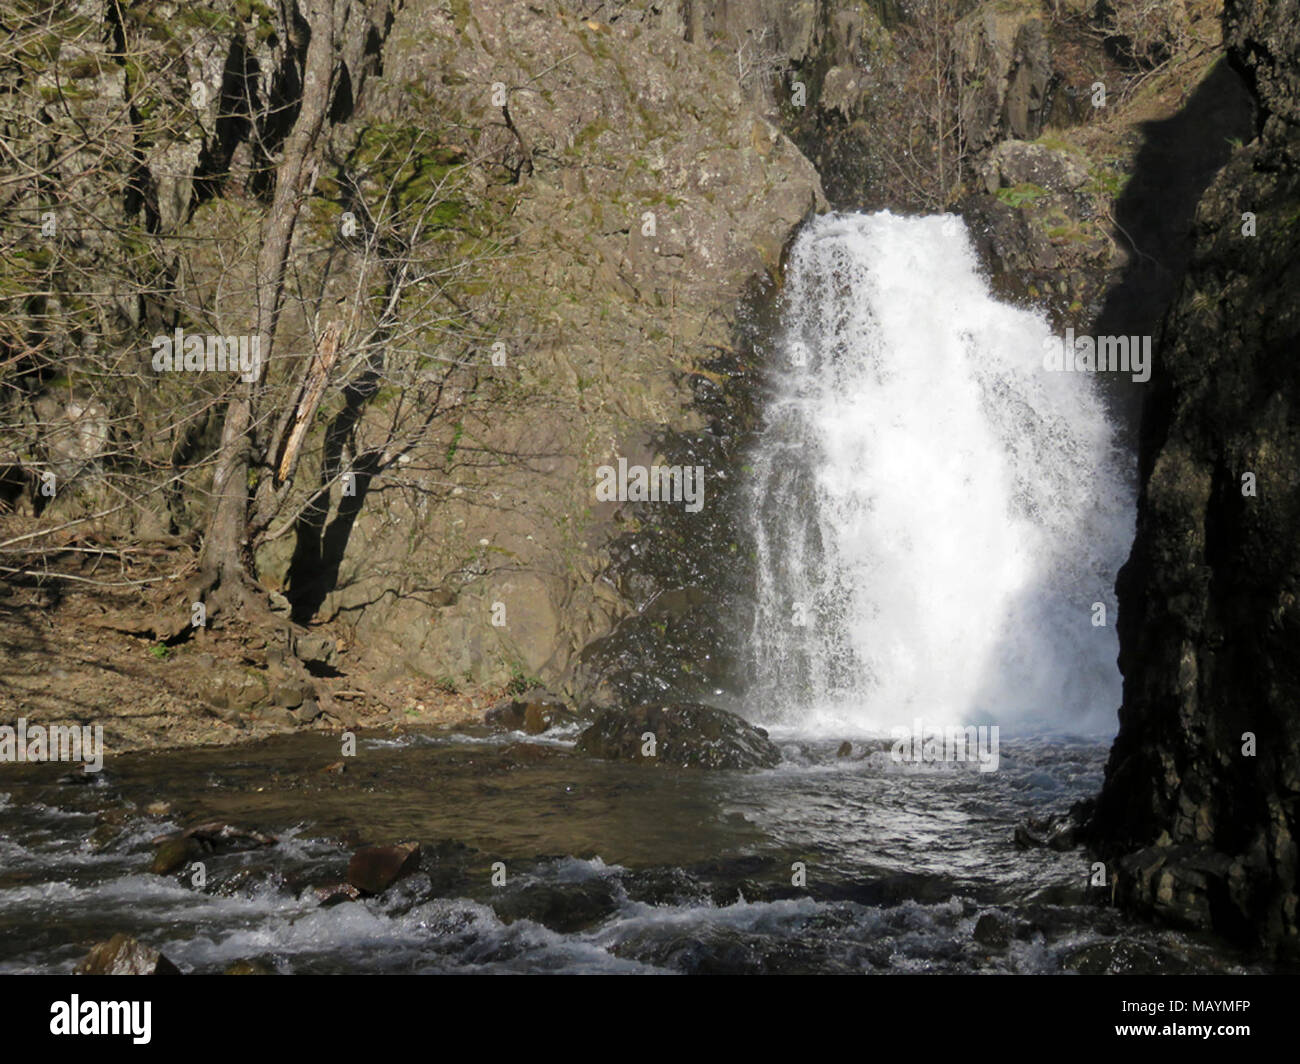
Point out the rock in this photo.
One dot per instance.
(508, 715)
(1015, 162)
(533, 712)
(688, 734)
(220, 835)
(1057, 832)
(320, 650)
(276, 716)
(991, 930)
(845, 750)
(174, 854)
(289, 695)
(373, 869)
(177, 850)
(1204, 824)
(1004, 60)
(123, 955)
(79, 778)
(104, 836)
(335, 893)
(307, 712)
(249, 967)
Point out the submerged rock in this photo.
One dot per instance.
(373, 869)
(123, 955)
(249, 967)
(687, 735)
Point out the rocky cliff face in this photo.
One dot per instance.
(646, 197)
(1198, 815)
(612, 196)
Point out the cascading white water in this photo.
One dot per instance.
(934, 513)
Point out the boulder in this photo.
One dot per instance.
(373, 869)
(174, 854)
(123, 955)
(687, 735)
(1015, 162)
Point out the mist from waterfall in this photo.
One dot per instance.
(934, 514)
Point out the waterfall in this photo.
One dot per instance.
(934, 514)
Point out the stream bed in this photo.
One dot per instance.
(535, 859)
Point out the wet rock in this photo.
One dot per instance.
(1060, 831)
(687, 734)
(335, 894)
(123, 955)
(174, 854)
(335, 768)
(174, 851)
(508, 715)
(533, 712)
(104, 836)
(220, 835)
(845, 750)
(992, 931)
(249, 967)
(1127, 957)
(373, 869)
(80, 778)
(565, 908)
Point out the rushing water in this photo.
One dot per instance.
(935, 513)
(940, 511)
(609, 867)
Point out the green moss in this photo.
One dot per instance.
(1021, 195)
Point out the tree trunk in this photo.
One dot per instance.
(224, 564)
